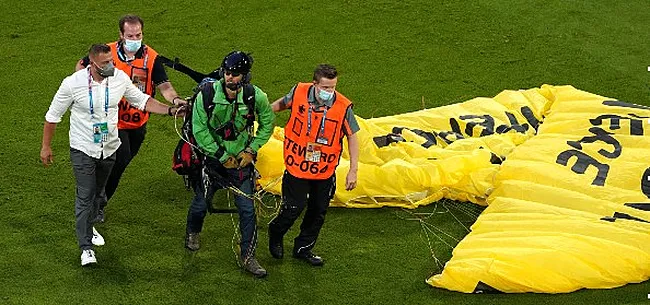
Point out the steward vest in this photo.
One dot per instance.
(140, 71)
(300, 145)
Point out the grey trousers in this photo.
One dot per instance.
(91, 175)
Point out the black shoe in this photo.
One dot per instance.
(100, 216)
(310, 257)
(251, 265)
(276, 248)
(192, 241)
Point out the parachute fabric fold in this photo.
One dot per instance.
(570, 207)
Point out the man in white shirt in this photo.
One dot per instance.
(92, 95)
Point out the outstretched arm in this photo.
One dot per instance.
(279, 105)
(145, 102)
(154, 106)
(168, 91)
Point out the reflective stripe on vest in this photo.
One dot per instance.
(296, 139)
(140, 71)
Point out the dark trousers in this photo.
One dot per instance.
(91, 175)
(239, 178)
(131, 141)
(296, 193)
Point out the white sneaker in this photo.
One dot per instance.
(88, 257)
(97, 240)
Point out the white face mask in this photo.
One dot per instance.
(325, 96)
(132, 45)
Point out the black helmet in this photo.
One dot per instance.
(238, 62)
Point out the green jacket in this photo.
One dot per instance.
(210, 142)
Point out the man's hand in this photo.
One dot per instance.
(351, 180)
(178, 101)
(231, 162)
(177, 111)
(181, 111)
(46, 156)
(245, 158)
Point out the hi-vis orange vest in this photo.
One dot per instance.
(296, 139)
(140, 71)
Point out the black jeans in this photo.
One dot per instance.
(296, 194)
(131, 141)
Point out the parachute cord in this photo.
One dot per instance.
(263, 207)
(236, 240)
(462, 207)
(429, 226)
(431, 231)
(458, 220)
(256, 197)
(433, 254)
(466, 210)
(420, 218)
(176, 125)
(235, 236)
(179, 133)
(270, 184)
(424, 224)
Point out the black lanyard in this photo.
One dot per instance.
(90, 94)
(321, 132)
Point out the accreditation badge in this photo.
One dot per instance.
(313, 152)
(100, 132)
(139, 78)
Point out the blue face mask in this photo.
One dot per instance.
(132, 45)
(325, 96)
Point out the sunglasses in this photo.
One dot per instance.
(234, 74)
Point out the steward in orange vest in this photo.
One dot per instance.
(313, 141)
(140, 70)
(141, 63)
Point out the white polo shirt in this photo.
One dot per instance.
(74, 93)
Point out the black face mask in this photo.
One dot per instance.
(108, 70)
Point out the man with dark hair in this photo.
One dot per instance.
(313, 141)
(226, 138)
(92, 95)
(142, 64)
(130, 19)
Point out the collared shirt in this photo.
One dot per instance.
(74, 94)
(352, 125)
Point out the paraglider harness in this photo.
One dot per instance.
(188, 160)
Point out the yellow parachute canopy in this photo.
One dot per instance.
(570, 206)
(565, 174)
